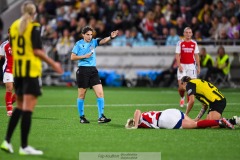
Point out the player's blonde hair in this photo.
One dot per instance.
(130, 123)
(28, 10)
(187, 28)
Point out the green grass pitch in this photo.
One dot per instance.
(56, 129)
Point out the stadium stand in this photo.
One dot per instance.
(139, 52)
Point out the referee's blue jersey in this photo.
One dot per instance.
(81, 48)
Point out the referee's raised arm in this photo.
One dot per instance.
(113, 35)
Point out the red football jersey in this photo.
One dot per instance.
(187, 49)
(5, 50)
(149, 119)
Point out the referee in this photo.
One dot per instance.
(87, 73)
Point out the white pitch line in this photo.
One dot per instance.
(125, 105)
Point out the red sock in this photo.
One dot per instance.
(13, 98)
(181, 92)
(207, 123)
(8, 100)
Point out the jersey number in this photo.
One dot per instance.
(215, 91)
(20, 44)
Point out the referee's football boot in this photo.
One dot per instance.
(83, 119)
(103, 119)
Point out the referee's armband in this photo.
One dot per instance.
(98, 40)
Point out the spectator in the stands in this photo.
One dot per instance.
(73, 26)
(181, 25)
(231, 9)
(82, 11)
(80, 25)
(148, 24)
(123, 17)
(50, 6)
(161, 24)
(94, 11)
(223, 37)
(225, 24)
(205, 26)
(194, 24)
(173, 38)
(101, 29)
(108, 13)
(44, 23)
(236, 38)
(69, 14)
(92, 22)
(169, 12)
(205, 10)
(186, 15)
(61, 25)
(234, 26)
(64, 47)
(198, 37)
(138, 20)
(214, 31)
(219, 10)
(137, 37)
(119, 41)
(157, 12)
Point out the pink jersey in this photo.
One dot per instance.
(5, 50)
(149, 119)
(187, 49)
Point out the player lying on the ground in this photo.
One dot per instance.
(171, 119)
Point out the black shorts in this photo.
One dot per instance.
(87, 77)
(27, 86)
(218, 106)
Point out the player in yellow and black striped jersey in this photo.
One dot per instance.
(27, 56)
(207, 94)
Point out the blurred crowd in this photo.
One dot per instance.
(141, 22)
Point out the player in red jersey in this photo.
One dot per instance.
(6, 52)
(171, 119)
(187, 55)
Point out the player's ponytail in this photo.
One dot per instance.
(28, 11)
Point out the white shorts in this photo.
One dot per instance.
(171, 119)
(7, 77)
(188, 70)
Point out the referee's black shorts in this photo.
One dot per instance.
(27, 85)
(218, 106)
(87, 77)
